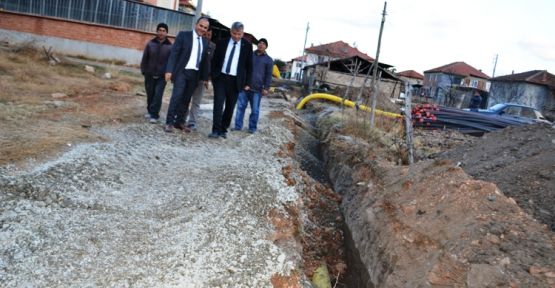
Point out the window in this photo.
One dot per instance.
(474, 83)
(513, 111)
(528, 113)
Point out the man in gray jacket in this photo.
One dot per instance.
(153, 67)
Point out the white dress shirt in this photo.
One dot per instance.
(235, 60)
(192, 64)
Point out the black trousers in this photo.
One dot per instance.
(225, 94)
(154, 88)
(183, 87)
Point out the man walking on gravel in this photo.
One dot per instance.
(153, 65)
(231, 72)
(192, 113)
(187, 64)
(262, 66)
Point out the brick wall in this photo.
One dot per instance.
(72, 30)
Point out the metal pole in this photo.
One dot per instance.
(123, 14)
(110, 13)
(494, 65)
(198, 11)
(375, 72)
(303, 62)
(137, 16)
(96, 11)
(408, 122)
(82, 10)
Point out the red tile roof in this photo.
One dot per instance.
(411, 74)
(339, 50)
(541, 77)
(300, 58)
(459, 68)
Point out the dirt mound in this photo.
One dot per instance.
(434, 225)
(520, 161)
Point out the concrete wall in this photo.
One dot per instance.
(533, 95)
(74, 47)
(75, 38)
(387, 87)
(521, 93)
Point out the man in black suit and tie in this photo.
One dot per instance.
(187, 64)
(231, 72)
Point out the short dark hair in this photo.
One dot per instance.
(205, 18)
(263, 40)
(162, 25)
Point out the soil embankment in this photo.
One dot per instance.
(433, 224)
(520, 161)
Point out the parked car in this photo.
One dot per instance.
(518, 111)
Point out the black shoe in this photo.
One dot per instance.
(168, 128)
(223, 135)
(213, 135)
(193, 127)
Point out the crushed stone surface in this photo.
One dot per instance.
(148, 209)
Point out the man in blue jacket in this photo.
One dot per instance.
(153, 66)
(262, 66)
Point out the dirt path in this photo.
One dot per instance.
(148, 209)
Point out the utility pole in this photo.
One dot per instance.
(494, 65)
(303, 62)
(375, 72)
(408, 122)
(198, 11)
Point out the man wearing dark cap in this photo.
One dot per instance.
(153, 65)
(262, 66)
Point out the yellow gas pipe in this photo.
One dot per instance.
(347, 103)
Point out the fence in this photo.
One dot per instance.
(119, 13)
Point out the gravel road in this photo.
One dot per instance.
(149, 209)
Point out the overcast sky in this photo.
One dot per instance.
(418, 35)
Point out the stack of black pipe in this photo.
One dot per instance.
(431, 116)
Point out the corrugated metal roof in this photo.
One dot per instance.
(459, 68)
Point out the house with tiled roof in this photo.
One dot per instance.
(412, 75)
(333, 51)
(325, 53)
(297, 65)
(454, 84)
(412, 81)
(534, 88)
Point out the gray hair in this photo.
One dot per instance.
(237, 26)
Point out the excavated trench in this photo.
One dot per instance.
(426, 225)
(308, 151)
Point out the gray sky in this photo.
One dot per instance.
(418, 35)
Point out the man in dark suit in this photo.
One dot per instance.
(231, 72)
(187, 64)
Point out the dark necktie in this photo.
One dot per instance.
(228, 66)
(198, 52)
